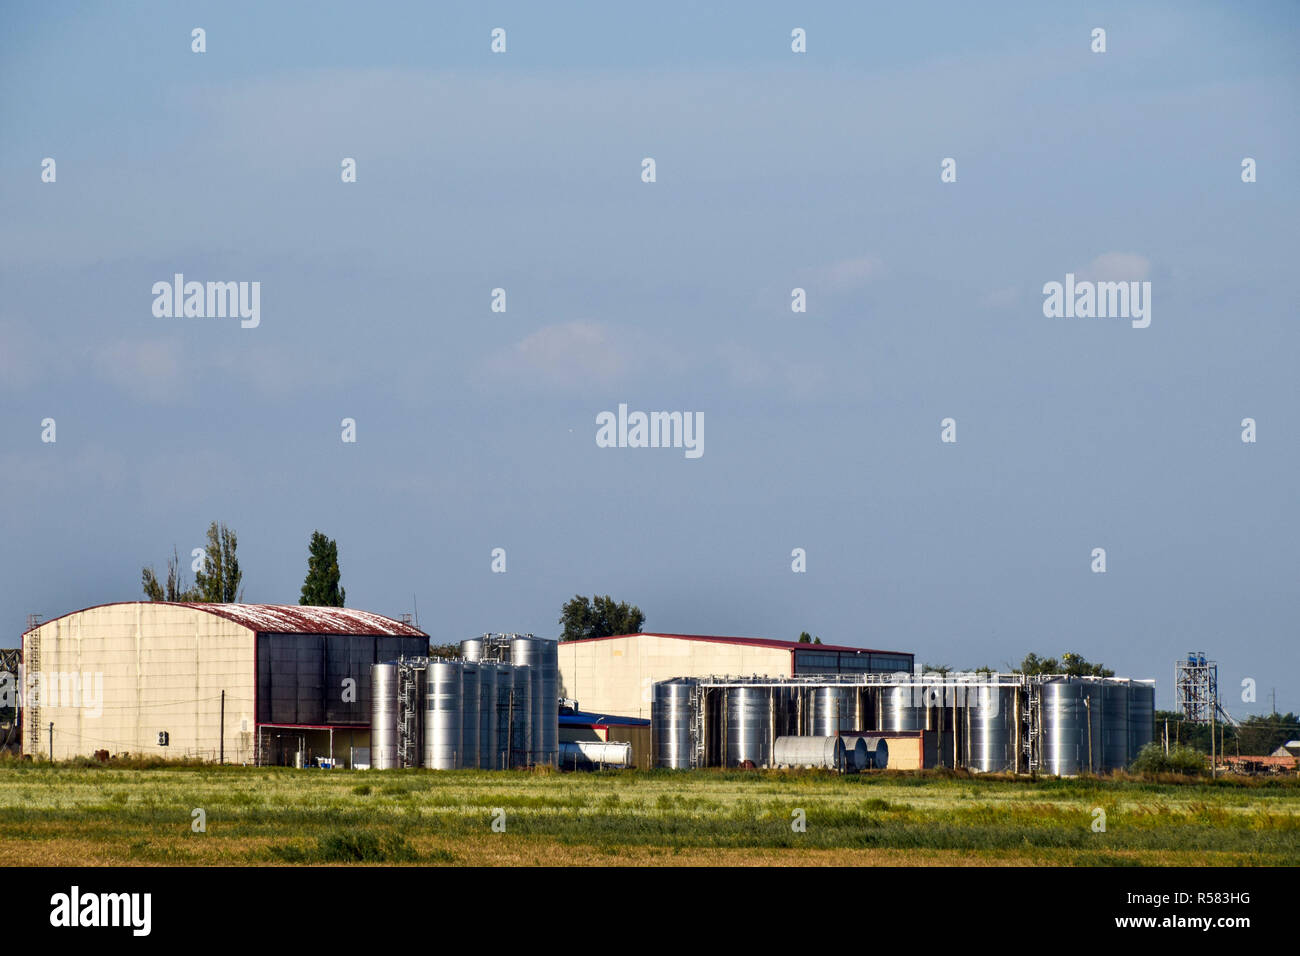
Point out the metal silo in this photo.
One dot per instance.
(900, 709)
(989, 731)
(543, 658)
(487, 715)
(670, 722)
(1065, 728)
(443, 719)
(472, 649)
(384, 714)
(469, 737)
(1141, 716)
(1114, 726)
(749, 725)
(832, 710)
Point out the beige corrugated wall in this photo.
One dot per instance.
(114, 676)
(616, 675)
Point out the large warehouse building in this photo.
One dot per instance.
(616, 675)
(264, 683)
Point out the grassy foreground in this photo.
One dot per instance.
(77, 815)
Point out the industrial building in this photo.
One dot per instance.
(615, 675)
(990, 723)
(243, 683)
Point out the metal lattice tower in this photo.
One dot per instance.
(1196, 686)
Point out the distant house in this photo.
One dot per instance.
(1289, 749)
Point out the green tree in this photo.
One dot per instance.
(174, 589)
(219, 581)
(806, 638)
(1260, 735)
(598, 617)
(321, 588)
(1074, 665)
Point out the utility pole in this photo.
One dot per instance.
(1214, 767)
(222, 745)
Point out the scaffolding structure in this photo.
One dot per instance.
(1196, 687)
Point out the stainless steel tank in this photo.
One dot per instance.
(989, 714)
(487, 715)
(899, 709)
(472, 649)
(470, 707)
(749, 726)
(1114, 725)
(384, 714)
(670, 724)
(820, 752)
(595, 754)
(1141, 716)
(521, 727)
(443, 719)
(1065, 728)
(832, 710)
(542, 656)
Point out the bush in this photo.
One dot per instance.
(1180, 759)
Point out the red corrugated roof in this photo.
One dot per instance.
(289, 618)
(753, 641)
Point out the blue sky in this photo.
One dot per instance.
(476, 429)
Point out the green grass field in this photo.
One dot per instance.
(78, 815)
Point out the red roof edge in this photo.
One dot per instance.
(749, 641)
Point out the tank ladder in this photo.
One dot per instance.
(408, 723)
(32, 703)
(1032, 746)
(697, 727)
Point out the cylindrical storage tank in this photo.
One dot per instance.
(832, 710)
(443, 720)
(1114, 726)
(487, 715)
(1065, 728)
(470, 707)
(879, 748)
(472, 650)
(1141, 717)
(670, 724)
(521, 727)
(505, 687)
(749, 725)
(821, 752)
(989, 715)
(542, 657)
(857, 756)
(899, 709)
(384, 713)
(873, 754)
(595, 754)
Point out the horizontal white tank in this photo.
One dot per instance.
(585, 754)
(824, 752)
